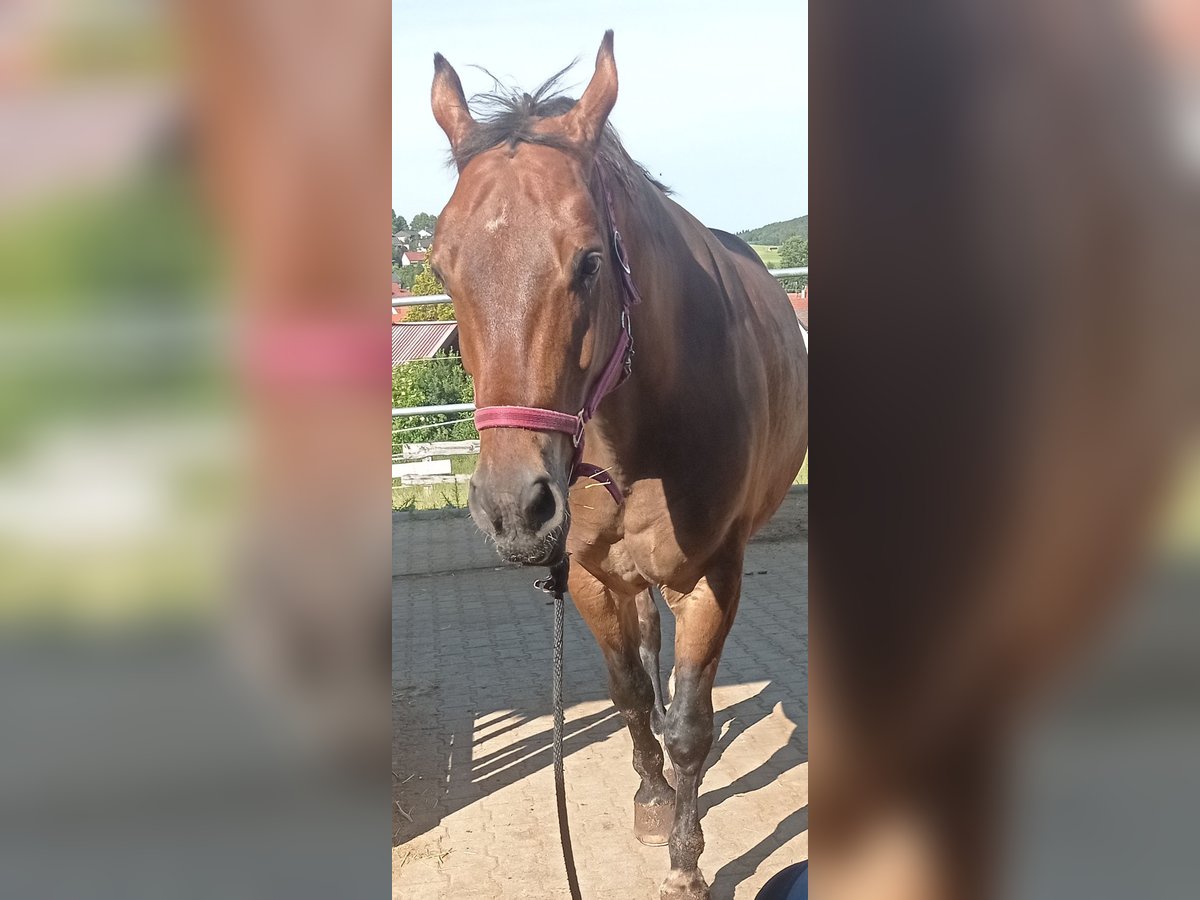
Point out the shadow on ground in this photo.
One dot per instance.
(471, 664)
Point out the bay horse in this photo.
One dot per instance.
(699, 437)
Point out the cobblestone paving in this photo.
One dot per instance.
(474, 813)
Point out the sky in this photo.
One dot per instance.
(713, 100)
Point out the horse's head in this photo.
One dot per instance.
(521, 249)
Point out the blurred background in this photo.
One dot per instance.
(116, 422)
(193, 588)
(1006, 534)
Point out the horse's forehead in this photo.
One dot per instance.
(534, 188)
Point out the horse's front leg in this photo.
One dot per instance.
(702, 620)
(613, 619)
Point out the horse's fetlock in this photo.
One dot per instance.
(686, 846)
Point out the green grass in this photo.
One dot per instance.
(463, 465)
(428, 496)
(768, 253)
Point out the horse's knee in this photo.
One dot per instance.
(629, 685)
(688, 741)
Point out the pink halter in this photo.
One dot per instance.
(615, 371)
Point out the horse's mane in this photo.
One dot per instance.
(506, 115)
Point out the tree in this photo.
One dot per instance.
(407, 275)
(425, 284)
(424, 222)
(431, 382)
(398, 223)
(793, 252)
(398, 250)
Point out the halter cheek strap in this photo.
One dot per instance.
(614, 373)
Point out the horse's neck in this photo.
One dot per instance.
(648, 228)
(656, 244)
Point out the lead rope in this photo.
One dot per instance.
(556, 584)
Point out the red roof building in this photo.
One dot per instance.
(421, 340)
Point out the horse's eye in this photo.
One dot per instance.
(589, 266)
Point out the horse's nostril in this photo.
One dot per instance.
(540, 503)
(483, 506)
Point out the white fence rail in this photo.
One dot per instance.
(405, 411)
(398, 411)
(436, 448)
(431, 300)
(429, 480)
(422, 467)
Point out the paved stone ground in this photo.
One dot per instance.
(474, 812)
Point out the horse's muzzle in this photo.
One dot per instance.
(524, 513)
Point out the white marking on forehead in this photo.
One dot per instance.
(495, 224)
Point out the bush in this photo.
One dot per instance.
(430, 382)
(439, 312)
(425, 284)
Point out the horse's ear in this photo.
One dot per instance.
(450, 104)
(584, 124)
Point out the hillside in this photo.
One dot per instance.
(776, 232)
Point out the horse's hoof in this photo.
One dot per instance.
(684, 886)
(652, 822)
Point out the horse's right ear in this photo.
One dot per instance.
(450, 104)
(584, 122)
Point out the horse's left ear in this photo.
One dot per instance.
(450, 104)
(584, 124)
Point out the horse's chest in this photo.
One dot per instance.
(638, 544)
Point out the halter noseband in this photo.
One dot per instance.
(615, 371)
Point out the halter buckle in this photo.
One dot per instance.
(555, 581)
(577, 437)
